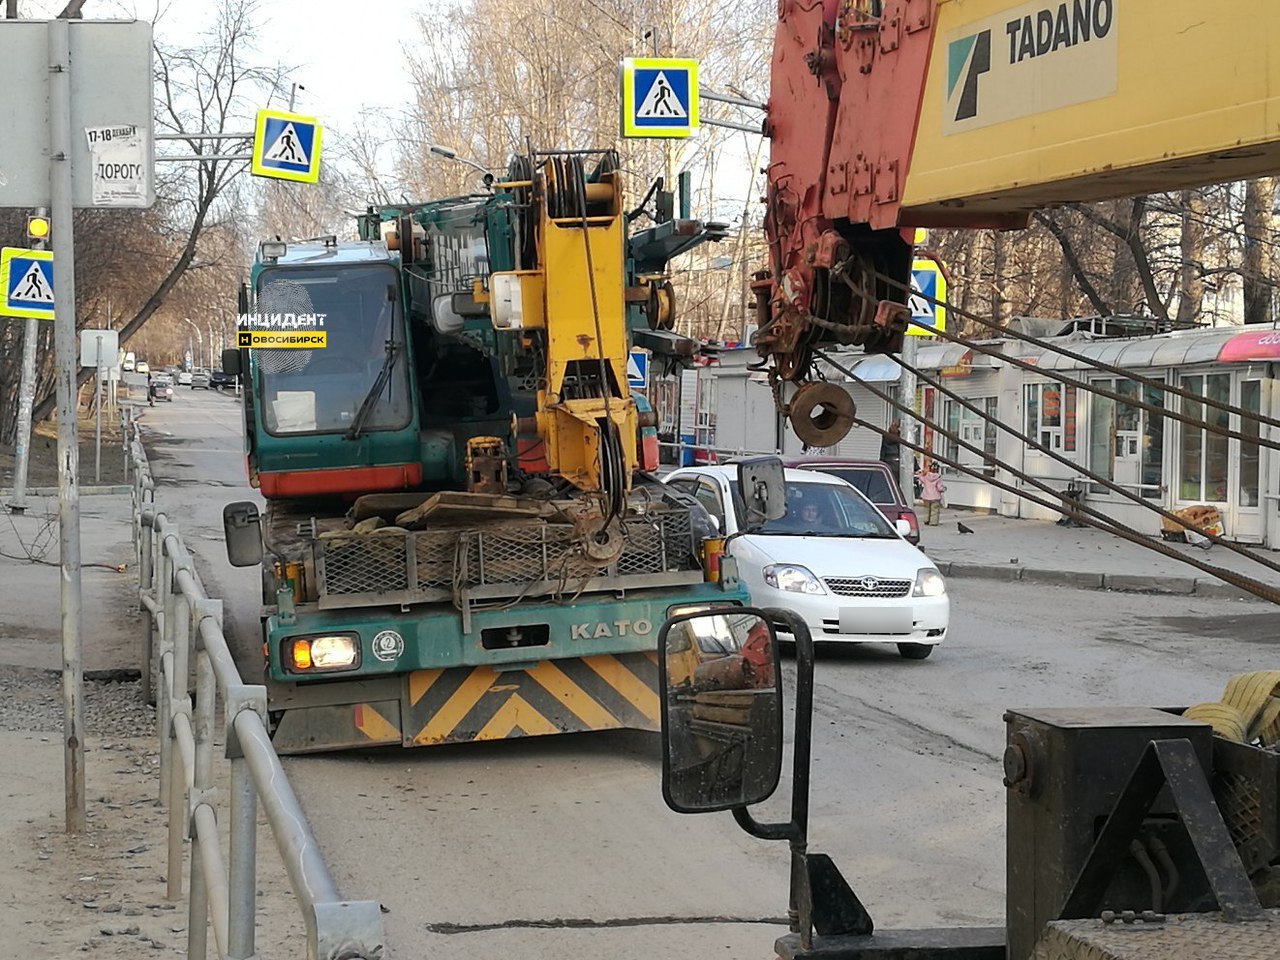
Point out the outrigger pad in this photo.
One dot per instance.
(837, 911)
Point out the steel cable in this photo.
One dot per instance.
(1071, 354)
(1080, 384)
(1084, 471)
(1248, 584)
(1078, 510)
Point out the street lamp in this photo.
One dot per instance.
(448, 154)
(199, 338)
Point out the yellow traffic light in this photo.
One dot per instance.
(37, 228)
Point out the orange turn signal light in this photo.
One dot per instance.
(301, 654)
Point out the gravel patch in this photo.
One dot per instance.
(31, 700)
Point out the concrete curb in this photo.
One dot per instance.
(984, 571)
(1065, 578)
(1081, 580)
(1140, 583)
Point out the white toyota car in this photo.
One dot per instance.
(834, 559)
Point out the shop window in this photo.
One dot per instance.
(1051, 415)
(974, 430)
(1126, 442)
(1203, 462)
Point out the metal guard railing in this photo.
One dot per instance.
(184, 627)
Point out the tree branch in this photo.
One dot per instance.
(1073, 262)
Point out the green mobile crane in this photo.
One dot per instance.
(460, 540)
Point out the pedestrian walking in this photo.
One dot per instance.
(931, 490)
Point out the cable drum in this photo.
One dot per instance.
(282, 297)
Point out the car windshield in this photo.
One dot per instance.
(322, 390)
(872, 481)
(824, 510)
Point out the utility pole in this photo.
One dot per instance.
(26, 389)
(66, 364)
(909, 427)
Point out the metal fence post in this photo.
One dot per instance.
(124, 440)
(164, 692)
(243, 874)
(198, 909)
(206, 702)
(149, 627)
(175, 692)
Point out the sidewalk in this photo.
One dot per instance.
(1001, 548)
(30, 609)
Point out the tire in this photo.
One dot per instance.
(915, 651)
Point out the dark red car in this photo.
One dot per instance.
(875, 480)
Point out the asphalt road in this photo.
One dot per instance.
(559, 846)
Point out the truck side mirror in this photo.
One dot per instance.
(903, 527)
(242, 531)
(763, 485)
(721, 710)
(231, 362)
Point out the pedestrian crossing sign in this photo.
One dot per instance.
(928, 283)
(638, 370)
(286, 147)
(26, 277)
(659, 97)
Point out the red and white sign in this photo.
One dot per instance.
(1255, 345)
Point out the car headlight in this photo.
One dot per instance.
(337, 651)
(929, 583)
(792, 578)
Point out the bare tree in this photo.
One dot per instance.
(1258, 263)
(212, 87)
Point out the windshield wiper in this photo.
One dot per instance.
(371, 398)
(832, 533)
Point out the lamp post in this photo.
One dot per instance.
(448, 154)
(199, 338)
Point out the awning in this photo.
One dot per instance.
(1261, 344)
(878, 368)
(1164, 350)
(941, 356)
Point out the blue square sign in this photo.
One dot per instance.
(638, 370)
(26, 277)
(928, 284)
(659, 97)
(286, 147)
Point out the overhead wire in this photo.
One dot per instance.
(1072, 508)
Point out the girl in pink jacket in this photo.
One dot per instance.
(931, 489)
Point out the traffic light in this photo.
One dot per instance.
(37, 227)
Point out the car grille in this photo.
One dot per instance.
(867, 587)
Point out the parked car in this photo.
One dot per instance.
(834, 559)
(184, 378)
(199, 380)
(874, 479)
(219, 379)
(143, 367)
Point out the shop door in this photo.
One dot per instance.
(1246, 504)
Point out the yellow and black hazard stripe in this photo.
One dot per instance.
(554, 696)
